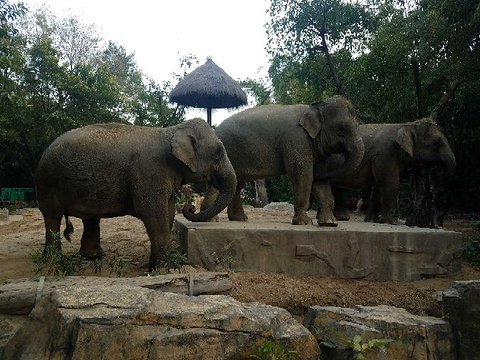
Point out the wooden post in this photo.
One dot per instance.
(209, 116)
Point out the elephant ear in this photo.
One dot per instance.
(405, 138)
(184, 147)
(312, 119)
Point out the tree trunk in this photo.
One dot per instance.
(19, 296)
(324, 49)
(261, 193)
(428, 199)
(336, 80)
(418, 88)
(427, 204)
(436, 114)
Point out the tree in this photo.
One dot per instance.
(12, 62)
(151, 107)
(258, 89)
(77, 42)
(297, 29)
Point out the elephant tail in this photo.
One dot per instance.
(69, 229)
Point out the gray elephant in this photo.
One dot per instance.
(109, 170)
(271, 140)
(390, 149)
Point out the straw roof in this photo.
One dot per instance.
(208, 86)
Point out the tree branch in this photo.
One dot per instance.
(437, 112)
(418, 87)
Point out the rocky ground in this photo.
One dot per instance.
(125, 242)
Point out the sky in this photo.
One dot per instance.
(159, 33)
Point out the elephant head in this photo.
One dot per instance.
(333, 125)
(425, 145)
(204, 160)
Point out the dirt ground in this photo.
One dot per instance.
(125, 238)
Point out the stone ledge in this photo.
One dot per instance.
(354, 249)
(412, 337)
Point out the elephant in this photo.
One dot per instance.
(109, 170)
(271, 140)
(390, 149)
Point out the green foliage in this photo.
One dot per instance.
(258, 89)
(270, 350)
(325, 341)
(115, 265)
(279, 189)
(173, 257)
(225, 258)
(360, 348)
(53, 262)
(471, 247)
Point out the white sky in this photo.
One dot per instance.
(232, 32)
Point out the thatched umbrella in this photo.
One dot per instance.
(208, 86)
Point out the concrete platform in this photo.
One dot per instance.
(354, 249)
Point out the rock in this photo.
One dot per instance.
(283, 206)
(29, 211)
(353, 250)
(126, 322)
(4, 214)
(9, 325)
(19, 296)
(413, 337)
(461, 307)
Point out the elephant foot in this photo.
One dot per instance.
(329, 222)
(92, 253)
(237, 215)
(302, 220)
(326, 220)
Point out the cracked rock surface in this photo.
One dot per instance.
(124, 322)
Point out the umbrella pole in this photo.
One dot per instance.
(209, 116)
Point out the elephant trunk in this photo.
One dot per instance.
(449, 164)
(353, 157)
(225, 181)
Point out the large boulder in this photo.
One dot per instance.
(461, 307)
(413, 337)
(125, 322)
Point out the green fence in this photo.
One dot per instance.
(16, 195)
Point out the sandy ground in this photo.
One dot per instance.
(125, 238)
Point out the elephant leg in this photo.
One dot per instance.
(323, 193)
(235, 209)
(339, 210)
(171, 211)
(374, 206)
(90, 242)
(52, 233)
(302, 188)
(388, 199)
(158, 231)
